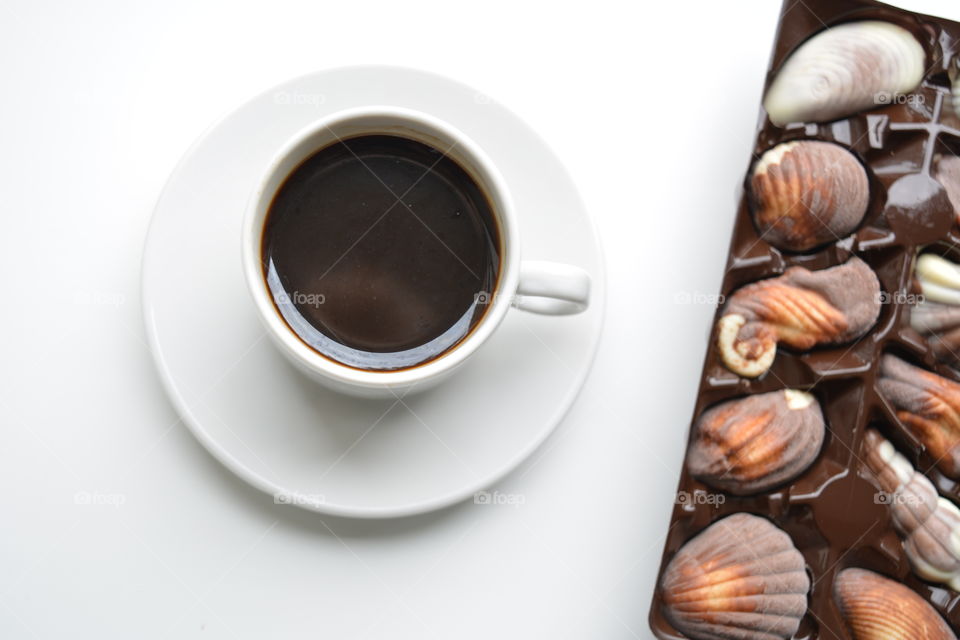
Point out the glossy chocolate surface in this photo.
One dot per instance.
(831, 511)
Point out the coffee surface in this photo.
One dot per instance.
(379, 251)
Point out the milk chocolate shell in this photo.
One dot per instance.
(874, 85)
(946, 169)
(877, 608)
(801, 309)
(807, 193)
(752, 444)
(928, 405)
(741, 577)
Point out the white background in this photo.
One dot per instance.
(98, 102)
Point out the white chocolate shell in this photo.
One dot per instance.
(928, 524)
(845, 69)
(937, 315)
(939, 279)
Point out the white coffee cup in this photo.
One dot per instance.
(541, 287)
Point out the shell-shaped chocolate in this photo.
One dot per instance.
(939, 279)
(845, 69)
(946, 170)
(928, 405)
(877, 608)
(801, 309)
(954, 73)
(807, 193)
(928, 524)
(752, 444)
(937, 315)
(741, 577)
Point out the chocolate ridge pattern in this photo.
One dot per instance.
(832, 512)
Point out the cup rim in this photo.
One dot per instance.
(479, 166)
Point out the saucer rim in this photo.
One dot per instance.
(188, 417)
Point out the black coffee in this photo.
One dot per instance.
(379, 252)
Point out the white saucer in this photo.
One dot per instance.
(311, 447)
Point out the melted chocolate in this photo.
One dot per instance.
(831, 511)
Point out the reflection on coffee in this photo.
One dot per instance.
(378, 252)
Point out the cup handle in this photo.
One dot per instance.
(552, 289)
